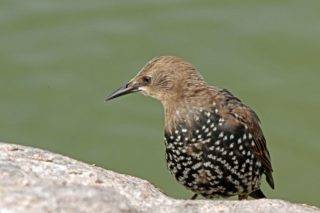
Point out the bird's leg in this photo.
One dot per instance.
(194, 197)
(242, 197)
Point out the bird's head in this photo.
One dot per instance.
(166, 78)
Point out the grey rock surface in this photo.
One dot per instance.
(34, 180)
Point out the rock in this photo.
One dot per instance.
(34, 180)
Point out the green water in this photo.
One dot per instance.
(59, 59)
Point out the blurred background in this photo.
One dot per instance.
(60, 59)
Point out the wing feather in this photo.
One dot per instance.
(237, 114)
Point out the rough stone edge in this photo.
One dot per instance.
(44, 179)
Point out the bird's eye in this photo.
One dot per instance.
(146, 80)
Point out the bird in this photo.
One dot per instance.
(214, 145)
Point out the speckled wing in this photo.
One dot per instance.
(236, 114)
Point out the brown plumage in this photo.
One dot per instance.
(214, 143)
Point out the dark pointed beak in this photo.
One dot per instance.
(126, 89)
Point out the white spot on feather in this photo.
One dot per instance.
(221, 135)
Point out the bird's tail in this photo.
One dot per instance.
(258, 194)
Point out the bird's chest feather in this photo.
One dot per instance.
(208, 155)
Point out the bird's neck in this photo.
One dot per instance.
(185, 109)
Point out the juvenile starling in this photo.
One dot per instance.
(214, 144)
